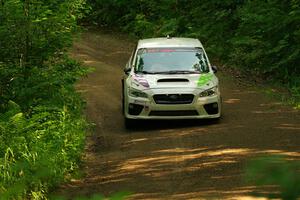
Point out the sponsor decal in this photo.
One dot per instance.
(204, 79)
(141, 81)
(160, 50)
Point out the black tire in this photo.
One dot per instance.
(129, 123)
(123, 98)
(217, 120)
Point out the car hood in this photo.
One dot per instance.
(153, 81)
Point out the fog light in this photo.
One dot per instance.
(135, 109)
(212, 108)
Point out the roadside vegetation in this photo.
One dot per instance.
(42, 129)
(279, 176)
(260, 38)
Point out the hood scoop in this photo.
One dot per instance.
(173, 80)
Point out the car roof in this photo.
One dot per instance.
(169, 42)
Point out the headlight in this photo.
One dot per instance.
(137, 93)
(209, 92)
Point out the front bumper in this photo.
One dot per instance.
(201, 107)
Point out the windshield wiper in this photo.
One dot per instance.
(145, 72)
(179, 72)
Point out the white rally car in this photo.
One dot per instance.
(170, 78)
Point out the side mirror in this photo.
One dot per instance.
(127, 70)
(214, 68)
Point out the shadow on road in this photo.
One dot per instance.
(152, 125)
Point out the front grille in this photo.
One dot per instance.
(173, 98)
(174, 113)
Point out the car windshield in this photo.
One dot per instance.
(171, 60)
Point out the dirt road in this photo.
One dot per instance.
(173, 159)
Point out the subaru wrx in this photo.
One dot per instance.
(170, 78)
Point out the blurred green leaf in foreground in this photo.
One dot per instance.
(279, 173)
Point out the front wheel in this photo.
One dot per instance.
(129, 123)
(123, 98)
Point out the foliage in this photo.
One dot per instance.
(276, 171)
(268, 38)
(41, 126)
(38, 151)
(259, 37)
(117, 196)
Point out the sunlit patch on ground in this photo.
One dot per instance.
(232, 101)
